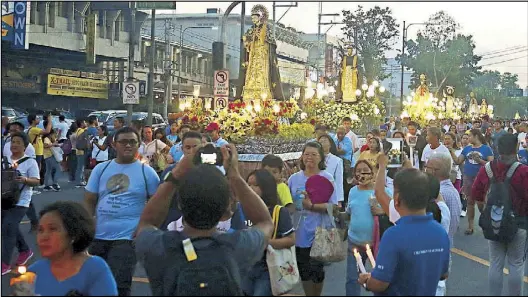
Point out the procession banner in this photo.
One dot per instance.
(77, 87)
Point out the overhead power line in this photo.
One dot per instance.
(525, 50)
(502, 50)
(494, 63)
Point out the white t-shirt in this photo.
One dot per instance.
(456, 167)
(63, 127)
(522, 139)
(147, 150)
(29, 169)
(178, 225)
(353, 137)
(98, 154)
(394, 215)
(427, 152)
(30, 150)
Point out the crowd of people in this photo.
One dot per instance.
(206, 229)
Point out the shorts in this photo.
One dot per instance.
(309, 269)
(467, 184)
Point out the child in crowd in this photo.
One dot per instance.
(274, 165)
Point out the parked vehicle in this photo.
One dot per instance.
(104, 115)
(157, 120)
(9, 112)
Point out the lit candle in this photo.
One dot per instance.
(371, 257)
(22, 269)
(359, 262)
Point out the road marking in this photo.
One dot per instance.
(479, 260)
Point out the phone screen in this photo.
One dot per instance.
(395, 153)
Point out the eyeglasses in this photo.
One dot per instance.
(124, 142)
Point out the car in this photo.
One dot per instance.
(84, 113)
(157, 120)
(20, 112)
(9, 113)
(103, 116)
(54, 120)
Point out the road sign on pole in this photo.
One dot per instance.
(220, 103)
(221, 83)
(156, 5)
(131, 93)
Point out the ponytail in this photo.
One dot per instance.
(435, 209)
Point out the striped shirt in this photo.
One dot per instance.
(452, 199)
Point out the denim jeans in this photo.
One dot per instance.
(40, 163)
(80, 168)
(72, 166)
(121, 258)
(257, 281)
(11, 235)
(353, 288)
(515, 251)
(32, 214)
(50, 178)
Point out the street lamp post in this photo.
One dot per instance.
(182, 32)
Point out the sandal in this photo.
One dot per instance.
(469, 232)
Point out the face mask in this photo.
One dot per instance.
(364, 178)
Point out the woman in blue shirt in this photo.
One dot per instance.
(64, 234)
(309, 216)
(361, 227)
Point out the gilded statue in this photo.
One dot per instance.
(260, 65)
(483, 107)
(473, 105)
(348, 77)
(421, 95)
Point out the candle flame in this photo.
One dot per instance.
(15, 165)
(368, 247)
(355, 251)
(22, 269)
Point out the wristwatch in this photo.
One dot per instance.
(170, 178)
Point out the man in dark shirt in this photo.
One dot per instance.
(414, 254)
(507, 147)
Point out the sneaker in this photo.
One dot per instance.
(463, 214)
(48, 189)
(56, 187)
(24, 257)
(41, 187)
(35, 192)
(5, 269)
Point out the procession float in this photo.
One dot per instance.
(262, 121)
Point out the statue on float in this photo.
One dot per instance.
(421, 95)
(450, 99)
(260, 66)
(348, 78)
(473, 105)
(483, 107)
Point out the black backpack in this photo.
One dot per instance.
(498, 220)
(11, 189)
(83, 141)
(215, 271)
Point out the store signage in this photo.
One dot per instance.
(77, 87)
(15, 23)
(25, 86)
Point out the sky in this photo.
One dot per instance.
(495, 26)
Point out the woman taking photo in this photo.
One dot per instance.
(257, 281)
(361, 227)
(309, 216)
(334, 164)
(371, 155)
(475, 156)
(52, 165)
(98, 154)
(65, 232)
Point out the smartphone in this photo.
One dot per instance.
(395, 153)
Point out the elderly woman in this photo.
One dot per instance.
(334, 164)
(64, 234)
(309, 216)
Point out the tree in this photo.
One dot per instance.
(486, 83)
(509, 81)
(372, 33)
(445, 57)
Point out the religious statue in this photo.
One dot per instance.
(473, 105)
(450, 100)
(348, 79)
(260, 69)
(421, 95)
(483, 107)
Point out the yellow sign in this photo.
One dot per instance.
(91, 37)
(77, 87)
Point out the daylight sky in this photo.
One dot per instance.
(495, 25)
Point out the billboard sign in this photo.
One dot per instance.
(15, 21)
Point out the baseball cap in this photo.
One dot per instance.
(212, 127)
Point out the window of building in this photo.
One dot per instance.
(62, 8)
(52, 13)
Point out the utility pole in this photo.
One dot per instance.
(241, 70)
(319, 24)
(402, 65)
(168, 68)
(150, 105)
(131, 51)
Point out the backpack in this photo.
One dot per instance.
(83, 141)
(67, 147)
(214, 272)
(498, 220)
(11, 189)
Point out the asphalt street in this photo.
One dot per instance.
(468, 275)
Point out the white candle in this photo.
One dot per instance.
(371, 257)
(359, 262)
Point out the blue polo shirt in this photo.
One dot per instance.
(413, 255)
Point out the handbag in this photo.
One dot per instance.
(158, 161)
(282, 264)
(92, 162)
(328, 245)
(57, 153)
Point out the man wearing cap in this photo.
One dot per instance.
(213, 130)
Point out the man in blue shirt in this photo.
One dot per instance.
(413, 255)
(344, 145)
(176, 151)
(213, 130)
